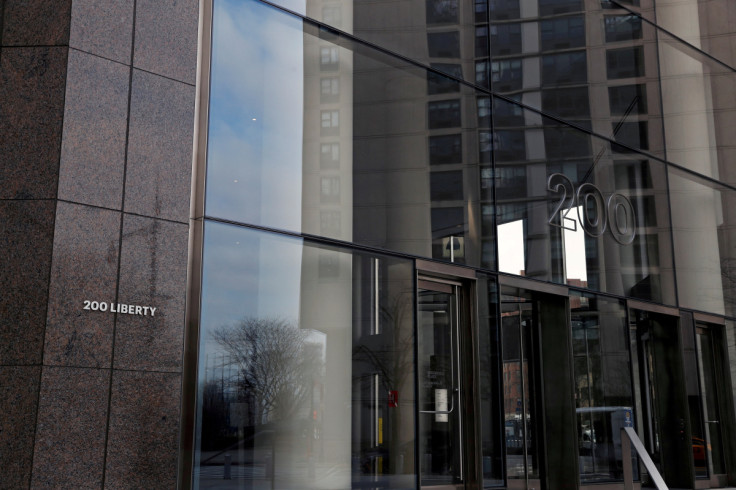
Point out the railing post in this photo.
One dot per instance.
(626, 457)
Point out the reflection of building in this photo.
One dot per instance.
(533, 195)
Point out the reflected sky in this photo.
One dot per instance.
(256, 115)
(249, 274)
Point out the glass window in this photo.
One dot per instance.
(441, 11)
(625, 62)
(505, 9)
(614, 4)
(562, 33)
(329, 58)
(552, 7)
(329, 155)
(329, 190)
(481, 74)
(448, 230)
(446, 148)
(444, 114)
(300, 348)
(634, 134)
(603, 391)
(330, 122)
(511, 182)
(505, 39)
(507, 115)
(329, 89)
(573, 103)
(510, 145)
(622, 27)
(628, 99)
(564, 68)
(481, 41)
(506, 75)
(446, 186)
(438, 84)
(332, 14)
(481, 10)
(443, 44)
(484, 112)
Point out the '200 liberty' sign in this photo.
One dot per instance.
(596, 214)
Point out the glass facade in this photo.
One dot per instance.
(439, 235)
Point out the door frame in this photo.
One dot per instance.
(470, 441)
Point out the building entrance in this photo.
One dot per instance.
(662, 417)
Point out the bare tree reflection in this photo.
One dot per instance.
(276, 365)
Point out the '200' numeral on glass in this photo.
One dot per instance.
(595, 213)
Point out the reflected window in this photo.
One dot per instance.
(632, 174)
(329, 59)
(510, 145)
(567, 102)
(506, 75)
(443, 44)
(552, 7)
(330, 223)
(505, 39)
(330, 122)
(486, 186)
(444, 149)
(484, 112)
(625, 62)
(439, 84)
(511, 182)
(562, 68)
(622, 27)
(485, 146)
(329, 89)
(507, 114)
(329, 190)
(332, 14)
(481, 74)
(614, 4)
(481, 41)
(329, 155)
(634, 134)
(447, 223)
(481, 10)
(441, 12)
(505, 9)
(446, 186)
(444, 114)
(562, 33)
(565, 142)
(628, 99)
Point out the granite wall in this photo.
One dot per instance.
(97, 109)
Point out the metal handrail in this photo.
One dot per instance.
(629, 437)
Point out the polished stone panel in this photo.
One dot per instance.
(70, 435)
(31, 111)
(95, 121)
(166, 38)
(158, 179)
(36, 22)
(84, 267)
(18, 404)
(26, 238)
(103, 27)
(153, 272)
(144, 430)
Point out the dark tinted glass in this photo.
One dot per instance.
(552, 7)
(446, 186)
(571, 103)
(445, 149)
(564, 68)
(625, 62)
(441, 11)
(444, 114)
(628, 99)
(505, 39)
(439, 84)
(622, 27)
(562, 33)
(443, 44)
(506, 75)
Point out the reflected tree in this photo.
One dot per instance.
(276, 365)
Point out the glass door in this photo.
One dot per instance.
(446, 385)
(708, 360)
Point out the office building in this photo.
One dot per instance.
(371, 244)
